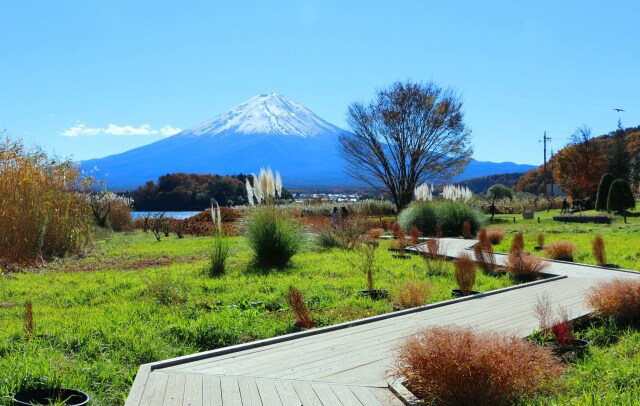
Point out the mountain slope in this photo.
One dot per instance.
(266, 130)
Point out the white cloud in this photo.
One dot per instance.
(80, 129)
(168, 130)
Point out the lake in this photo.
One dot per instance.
(179, 215)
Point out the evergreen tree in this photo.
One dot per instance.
(618, 160)
(603, 191)
(620, 198)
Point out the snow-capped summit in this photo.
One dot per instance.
(265, 114)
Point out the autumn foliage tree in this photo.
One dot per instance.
(580, 165)
(409, 134)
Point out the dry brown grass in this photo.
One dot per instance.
(28, 319)
(597, 248)
(619, 299)
(466, 229)
(42, 214)
(413, 294)
(464, 273)
(414, 234)
(299, 308)
(120, 217)
(375, 233)
(519, 263)
(453, 366)
(518, 243)
(483, 240)
(485, 257)
(495, 235)
(540, 239)
(561, 250)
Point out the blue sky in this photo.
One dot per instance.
(87, 79)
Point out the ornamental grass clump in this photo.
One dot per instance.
(517, 244)
(299, 308)
(220, 248)
(274, 237)
(495, 235)
(597, 248)
(413, 294)
(561, 250)
(619, 299)
(540, 240)
(464, 273)
(454, 366)
(518, 263)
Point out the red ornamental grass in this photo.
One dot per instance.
(519, 263)
(466, 229)
(453, 366)
(495, 235)
(619, 299)
(597, 248)
(299, 308)
(465, 273)
(415, 235)
(518, 243)
(413, 294)
(562, 250)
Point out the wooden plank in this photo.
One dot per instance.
(346, 395)
(325, 394)
(174, 392)
(230, 391)
(211, 390)
(249, 391)
(306, 394)
(155, 389)
(365, 396)
(268, 393)
(386, 396)
(193, 390)
(287, 393)
(138, 387)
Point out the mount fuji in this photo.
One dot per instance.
(266, 130)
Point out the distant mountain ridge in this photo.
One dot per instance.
(266, 130)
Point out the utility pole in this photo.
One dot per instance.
(544, 140)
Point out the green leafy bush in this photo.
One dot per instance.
(219, 254)
(421, 215)
(273, 236)
(451, 215)
(603, 191)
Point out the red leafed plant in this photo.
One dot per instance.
(597, 247)
(495, 235)
(518, 243)
(561, 250)
(619, 299)
(465, 273)
(415, 235)
(466, 229)
(299, 308)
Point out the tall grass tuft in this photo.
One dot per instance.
(518, 243)
(273, 236)
(520, 264)
(597, 248)
(299, 308)
(619, 299)
(220, 248)
(453, 366)
(495, 235)
(466, 229)
(42, 213)
(413, 294)
(540, 240)
(28, 319)
(561, 250)
(464, 273)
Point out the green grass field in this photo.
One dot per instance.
(98, 318)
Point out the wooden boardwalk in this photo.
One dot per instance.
(348, 364)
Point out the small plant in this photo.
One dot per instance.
(413, 294)
(415, 235)
(375, 233)
(597, 248)
(166, 289)
(520, 264)
(518, 243)
(485, 257)
(453, 366)
(483, 240)
(540, 240)
(466, 229)
(495, 235)
(619, 299)
(464, 273)
(544, 314)
(220, 250)
(299, 308)
(364, 261)
(273, 236)
(562, 329)
(28, 319)
(349, 233)
(561, 250)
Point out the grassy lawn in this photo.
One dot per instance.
(621, 240)
(133, 300)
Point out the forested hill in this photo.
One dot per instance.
(482, 184)
(181, 191)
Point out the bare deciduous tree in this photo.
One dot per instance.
(409, 134)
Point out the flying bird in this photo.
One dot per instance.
(618, 110)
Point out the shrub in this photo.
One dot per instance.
(273, 236)
(519, 263)
(603, 191)
(364, 262)
(597, 248)
(420, 215)
(540, 240)
(485, 257)
(299, 308)
(619, 299)
(375, 233)
(466, 229)
(42, 213)
(483, 240)
(348, 234)
(415, 235)
(325, 237)
(219, 254)
(561, 250)
(518, 243)
(620, 198)
(452, 215)
(166, 289)
(453, 366)
(464, 273)
(495, 235)
(120, 217)
(413, 294)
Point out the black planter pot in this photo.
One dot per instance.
(524, 278)
(375, 294)
(49, 396)
(458, 293)
(577, 347)
(401, 256)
